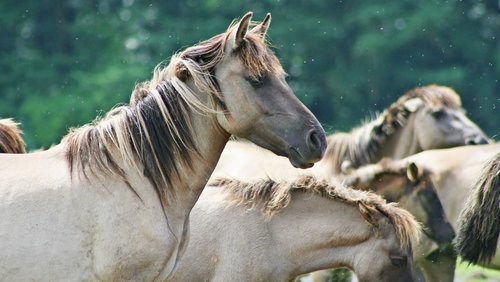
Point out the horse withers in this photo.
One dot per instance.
(111, 201)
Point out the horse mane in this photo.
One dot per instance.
(11, 140)
(362, 145)
(153, 134)
(271, 197)
(479, 225)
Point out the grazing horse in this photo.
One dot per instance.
(402, 182)
(411, 189)
(111, 202)
(479, 222)
(11, 140)
(424, 118)
(274, 231)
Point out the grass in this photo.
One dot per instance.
(474, 273)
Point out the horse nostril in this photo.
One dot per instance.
(314, 140)
(470, 142)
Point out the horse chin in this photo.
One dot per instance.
(297, 160)
(282, 148)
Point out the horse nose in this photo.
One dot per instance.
(316, 142)
(477, 140)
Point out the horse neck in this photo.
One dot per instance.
(358, 147)
(315, 233)
(363, 146)
(401, 143)
(209, 141)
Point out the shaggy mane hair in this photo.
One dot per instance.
(270, 197)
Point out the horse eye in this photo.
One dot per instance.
(437, 114)
(398, 261)
(255, 81)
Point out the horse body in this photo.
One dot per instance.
(111, 201)
(296, 230)
(71, 230)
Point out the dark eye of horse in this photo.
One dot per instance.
(437, 114)
(398, 261)
(255, 81)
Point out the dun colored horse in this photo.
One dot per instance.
(479, 222)
(402, 182)
(11, 140)
(270, 231)
(111, 202)
(424, 118)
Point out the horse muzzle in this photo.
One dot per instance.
(311, 152)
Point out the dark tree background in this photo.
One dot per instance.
(64, 62)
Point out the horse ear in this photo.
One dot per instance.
(262, 28)
(241, 30)
(413, 104)
(368, 213)
(412, 172)
(346, 167)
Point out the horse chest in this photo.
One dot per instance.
(132, 244)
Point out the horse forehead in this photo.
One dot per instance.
(230, 63)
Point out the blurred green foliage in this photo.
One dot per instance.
(64, 62)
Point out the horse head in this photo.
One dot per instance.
(390, 257)
(259, 104)
(440, 120)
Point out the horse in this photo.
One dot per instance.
(479, 221)
(111, 201)
(11, 140)
(424, 118)
(413, 190)
(273, 231)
